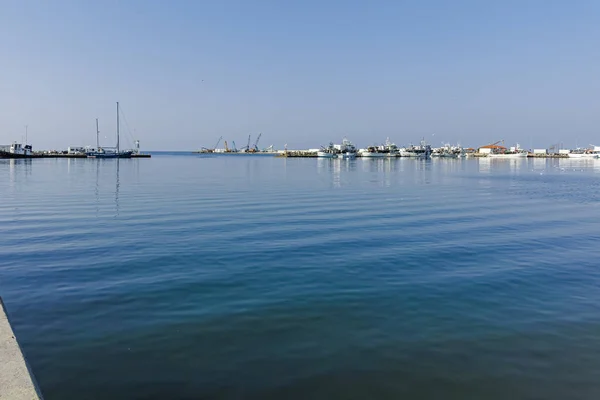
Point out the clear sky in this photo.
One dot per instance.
(301, 72)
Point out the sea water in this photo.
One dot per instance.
(253, 277)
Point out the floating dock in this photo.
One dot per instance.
(16, 379)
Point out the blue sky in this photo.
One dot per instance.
(300, 72)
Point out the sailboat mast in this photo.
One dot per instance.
(97, 136)
(117, 127)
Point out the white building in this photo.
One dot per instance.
(76, 150)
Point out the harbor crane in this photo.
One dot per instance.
(212, 150)
(248, 145)
(256, 143)
(218, 141)
(496, 144)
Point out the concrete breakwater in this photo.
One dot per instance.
(60, 155)
(16, 379)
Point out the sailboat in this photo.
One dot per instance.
(115, 152)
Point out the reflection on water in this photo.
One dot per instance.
(381, 170)
(485, 165)
(117, 185)
(580, 164)
(112, 183)
(19, 169)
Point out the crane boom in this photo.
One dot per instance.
(256, 143)
(218, 141)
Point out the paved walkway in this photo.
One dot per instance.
(16, 380)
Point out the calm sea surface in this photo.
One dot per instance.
(252, 277)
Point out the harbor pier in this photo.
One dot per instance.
(16, 379)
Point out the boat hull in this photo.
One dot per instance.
(584, 155)
(516, 155)
(110, 155)
(445, 155)
(6, 154)
(324, 154)
(373, 155)
(346, 155)
(414, 155)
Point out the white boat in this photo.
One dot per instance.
(388, 149)
(346, 154)
(421, 151)
(448, 151)
(344, 150)
(372, 152)
(327, 152)
(513, 152)
(509, 154)
(17, 150)
(582, 154)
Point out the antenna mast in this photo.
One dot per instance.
(97, 136)
(117, 127)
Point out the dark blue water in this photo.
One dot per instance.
(224, 277)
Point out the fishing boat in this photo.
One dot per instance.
(373, 152)
(448, 151)
(388, 149)
(17, 150)
(583, 153)
(513, 152)
(346, 149)
(422, 150)
(107, 152)
(327, 152)
(517, 154)
(347, 154)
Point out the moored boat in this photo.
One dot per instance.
(513, 152)
(448, 151)
(583, 153)
(327, 152)
(420, 151)
(388, 149)
(372, 152)
(344, 150)
(116, 152)
(509, 154)
(17, 150)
